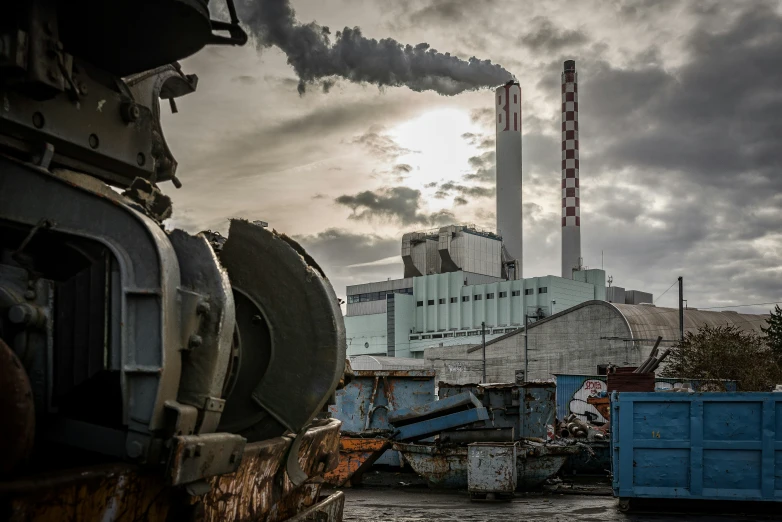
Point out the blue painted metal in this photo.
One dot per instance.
(715, 446)
(573, 392)
(431, 426)
(527, 408)
(433, 409)
(365, 402)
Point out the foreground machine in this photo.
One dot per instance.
(145, 374)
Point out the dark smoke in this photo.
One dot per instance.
(386, 62)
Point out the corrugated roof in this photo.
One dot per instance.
(377, 362)
(647, 322)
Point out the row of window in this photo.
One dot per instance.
(478, 297)
(460, 334)
(377, 296)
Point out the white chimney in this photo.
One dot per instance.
(507, 104)
(571, 204)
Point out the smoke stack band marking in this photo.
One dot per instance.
(571, 215)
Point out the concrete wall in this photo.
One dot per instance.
(404, 322)
(573, 343)
(366, 334)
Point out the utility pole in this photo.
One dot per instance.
(681, 309)
(483, 335)
(526, 346)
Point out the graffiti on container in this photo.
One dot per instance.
(457, 367)
(586, 403)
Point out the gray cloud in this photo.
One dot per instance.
(399, 204)
(444, 190)
(549, 38)
(485, 167)
(363, 60)
(381, 145)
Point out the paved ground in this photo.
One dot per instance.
(416, 504)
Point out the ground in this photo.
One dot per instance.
(390, 497)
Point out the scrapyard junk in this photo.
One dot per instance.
(484, 416)
(149, 370)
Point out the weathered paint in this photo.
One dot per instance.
(593, 458)
(446, 466)
(431, 426)
(713, 446)
(577, 394)
(528, 408)
(356, 456)
(364, 404)
(259, 490)
(491, 467)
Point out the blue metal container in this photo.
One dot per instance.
(364, 404)
(528, 408)
(576, 394)
(701, 446)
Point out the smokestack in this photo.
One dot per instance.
(571, 212)
(507, 103)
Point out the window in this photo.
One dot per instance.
(460, 334)
(441, 301)
(542, 290)
(419, 303)
(503, 294)
(515, 293)
(490, 296)
(465, 298)
(529, 291)
(430, 302)
(437, 336)
(477, 297)
(454, 299)
(414, 337)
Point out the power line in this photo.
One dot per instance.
(660, 296)
(735, 306)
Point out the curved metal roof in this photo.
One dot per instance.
(377, 362)
(647, 322)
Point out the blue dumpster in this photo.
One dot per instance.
(700, 446)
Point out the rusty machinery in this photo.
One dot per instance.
(118, 339)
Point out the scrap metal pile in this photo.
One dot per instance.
(129, 354)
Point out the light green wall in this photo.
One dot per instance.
(371, 329)
(403, 323)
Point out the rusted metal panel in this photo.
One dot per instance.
(328, 509)
(491, 467)
(355, 457)
(259, 491)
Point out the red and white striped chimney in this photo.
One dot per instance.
(571, 212)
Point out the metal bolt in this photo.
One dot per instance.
(141, 159)
(38, 120)
(21, 314)
(203, 308)
(135, 449)
(130, 112)
(29, 295)
(94, 141)
(194, 342)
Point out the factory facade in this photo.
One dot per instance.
(403, 317)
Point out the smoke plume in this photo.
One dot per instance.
(384, 62)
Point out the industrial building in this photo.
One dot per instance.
(582, 340)
(458, 278)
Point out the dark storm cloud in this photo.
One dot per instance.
(386, 62)
(381, 145)
(459, 200)
(484, 116)
(448, 188)
(397, 204)
(549, 38)
(484, 166)
(478, 140)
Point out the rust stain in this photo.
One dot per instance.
(259, 491)
(355, 457)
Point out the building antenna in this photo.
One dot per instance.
(610, 280)
(601, 260)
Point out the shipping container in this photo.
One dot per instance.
(697, 446)
(579, 394)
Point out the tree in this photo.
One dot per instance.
(725, 352)
(773, 332)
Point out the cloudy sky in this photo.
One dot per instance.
(680, 127)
